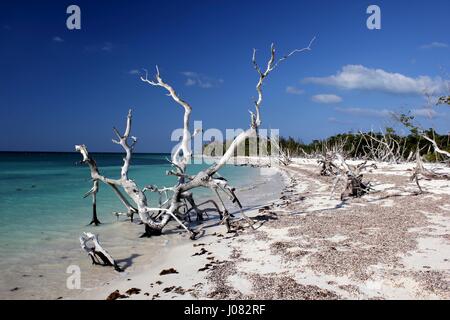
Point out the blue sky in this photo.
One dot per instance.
(61, 87)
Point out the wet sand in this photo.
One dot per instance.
(122, 241)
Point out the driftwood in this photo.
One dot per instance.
(327, 167)
(89, 243)
(353, 177)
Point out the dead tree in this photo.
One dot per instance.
(95, 174)
(146, 214)
(353, 177)
(329, 154)
(156, 218)
(327, 167)
(385, 149)
(93, 193)
(209, 178)
(284, 155)
(420, 170)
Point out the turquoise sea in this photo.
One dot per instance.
(42, 210)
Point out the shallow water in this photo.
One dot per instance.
(42, 214)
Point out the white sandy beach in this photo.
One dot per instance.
(390, 244)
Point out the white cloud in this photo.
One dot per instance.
(58, 39)
(362, 112)
(434, 45)
(426, 112)
(338, 121)
(359, 77)
(134, 71)
(190, 74)
(294, 90)
(107, 46)
(190, 82)
(200, 80)
(326, 98)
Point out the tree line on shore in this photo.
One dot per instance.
(384, 145)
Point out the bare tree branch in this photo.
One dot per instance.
(183, 153)
(435, 146)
